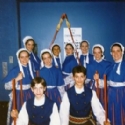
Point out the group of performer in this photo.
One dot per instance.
(52, 92)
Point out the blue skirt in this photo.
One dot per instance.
(54, 95)
(116, 105)
(27, 94)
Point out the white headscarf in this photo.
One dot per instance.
(25, 40)
(71, 44)
(74, 47)
(118, 71)
(43, 51)
(100, 46)
(54, 57)
(87, 55)
(20, 65)
(24, 43)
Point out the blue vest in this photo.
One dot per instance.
(39, 115)
(80, 104)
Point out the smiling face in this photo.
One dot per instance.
(69, 49)
(38, 90)
(79, 79)
(97, 52)
(47, 59)
(116, 53)
(56, 50)
(84, 47)
(30, 45)
(24, 57)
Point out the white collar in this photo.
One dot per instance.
(120, 60)
(48, 66)
(85, 54)
(99, 60)
(40, 101)
(79, 90)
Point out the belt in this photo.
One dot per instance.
(77, 120)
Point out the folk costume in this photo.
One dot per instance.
(100, 66)
(69, 63)
(76, 107)
(33, 57)
(38, 112)
(28, 75)
(54, 80)
(56, 60)
(116, 92)
(86, 59)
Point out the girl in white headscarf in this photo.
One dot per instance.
(85, 57)
(52, 76)
(23, 74)
(56, 50)
(116, 86)
(98, 66)
(68, 64)
(29, 44)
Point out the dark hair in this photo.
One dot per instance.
(69, 45)
(55, 46)
(79, 69)
(118, 45)
(23, 51)
(84, 41)
(30, 40)
(45, 53)
(38, 80)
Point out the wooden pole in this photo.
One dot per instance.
(105, 97)
(64, 16)
(37, 73)
(97, 89)
(21, 93)
(14, 98)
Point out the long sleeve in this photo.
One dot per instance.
(8, 85)
(64, 110)
(97, 109)
(54, 118)
(22, 117)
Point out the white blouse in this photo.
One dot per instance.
(95, 104)
(23, 115)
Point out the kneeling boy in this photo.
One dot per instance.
(78, 101)
(39, 110)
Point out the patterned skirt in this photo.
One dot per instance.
(116, 105)
(54, 95)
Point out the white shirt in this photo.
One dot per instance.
(95, 104)
(23, 115)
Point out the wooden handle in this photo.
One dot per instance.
(21, 93)
(14, 99)
(105, 96)
(97, 89)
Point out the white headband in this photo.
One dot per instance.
(26, 38)
(98, 45)
(118, 44)
(43, 51)
(55, 44)
(85, 41)
(71, 44)
(54, 57)
(118, 71)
